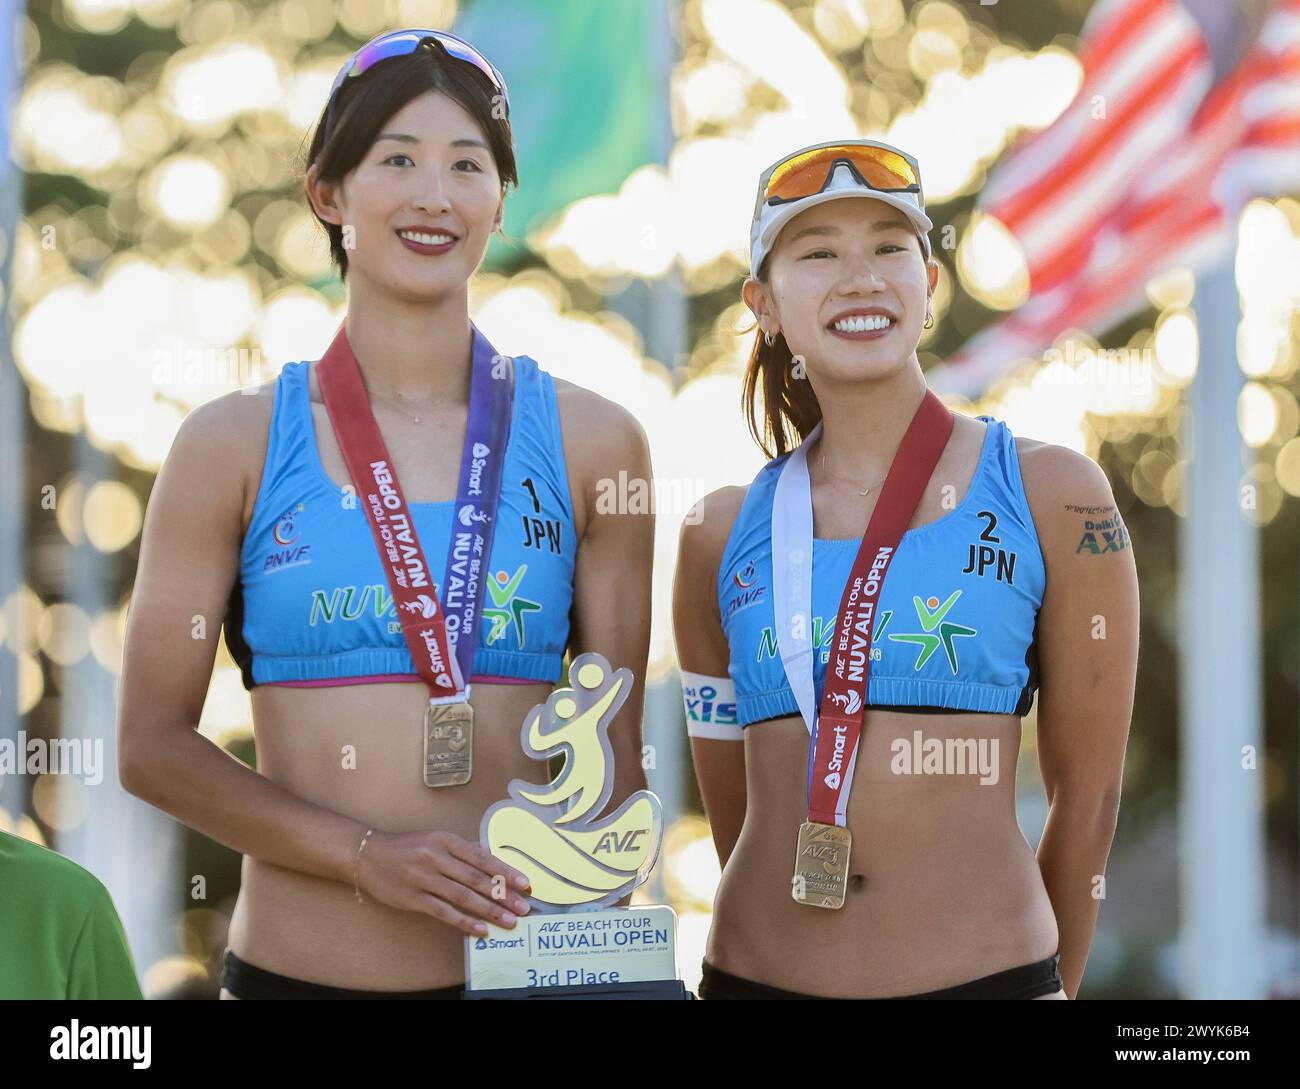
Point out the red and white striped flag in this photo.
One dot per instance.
(1179, 203)
(1147, 67)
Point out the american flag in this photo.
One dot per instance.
(1093, 235)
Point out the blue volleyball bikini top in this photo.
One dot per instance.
(311, 605)
(955, 630)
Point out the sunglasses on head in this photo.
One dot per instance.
(807, 173)
(401, 42)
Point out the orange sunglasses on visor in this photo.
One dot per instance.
(808, 173)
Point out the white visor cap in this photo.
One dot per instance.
(764, 231)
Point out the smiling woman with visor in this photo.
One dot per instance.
(404, 541)
(875, 611)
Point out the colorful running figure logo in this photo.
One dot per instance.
(931, 615)
(506, 607)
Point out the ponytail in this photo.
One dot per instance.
(790, 408)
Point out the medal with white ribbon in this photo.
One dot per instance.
(822, 857)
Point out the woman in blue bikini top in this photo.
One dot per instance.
(993, 593)
(358, 878)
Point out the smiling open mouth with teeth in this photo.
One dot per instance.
(862, 323)
(439, 239)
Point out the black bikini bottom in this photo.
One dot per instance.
(1026, 981)
(245, 980)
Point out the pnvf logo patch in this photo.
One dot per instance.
(289, 549)
(746, 580)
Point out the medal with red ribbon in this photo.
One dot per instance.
(821, 861)
(439, 634)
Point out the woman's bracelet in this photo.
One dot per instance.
(356, 866)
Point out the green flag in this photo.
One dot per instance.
(587, 94)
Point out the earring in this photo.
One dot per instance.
(769, 337)
(929, 321)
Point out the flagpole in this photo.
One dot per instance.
(131, 846)
(13, 415)
(1221, 820)
(661, 318)
(658, 311)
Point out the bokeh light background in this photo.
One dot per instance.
(165, 255)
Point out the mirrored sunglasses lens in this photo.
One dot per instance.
(397, 45)
(392, 46)
(806, 174)
(478, 61)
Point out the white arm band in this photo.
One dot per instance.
(711, 707)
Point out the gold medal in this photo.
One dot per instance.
(821, 865)
(448, 744)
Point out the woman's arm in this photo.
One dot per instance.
(612, 575)
(702, 648)
(1088, 646)
(189, 557)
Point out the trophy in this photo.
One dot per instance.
(573, 943)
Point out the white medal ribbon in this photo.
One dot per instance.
(792, 544)
(792, 548)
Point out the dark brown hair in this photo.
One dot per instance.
(789, 403)
(790, 408)
(367, 102)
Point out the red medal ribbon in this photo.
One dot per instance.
(834, 746)
(405, 567)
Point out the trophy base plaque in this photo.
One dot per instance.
(615, 953)
(647, 990)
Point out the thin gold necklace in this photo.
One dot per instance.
(397, 404)
(864, 492)
(373, 395)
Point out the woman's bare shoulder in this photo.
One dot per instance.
(1047, 467)
(707, 526)
(230, 431)
(1063, 486)
(595, 423)
(602, 439)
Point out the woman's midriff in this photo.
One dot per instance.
(358, 750)
(943, 886)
